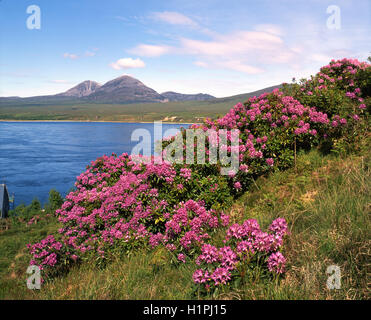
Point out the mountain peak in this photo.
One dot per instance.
(83, 89)
(125, 89)
(124, 81)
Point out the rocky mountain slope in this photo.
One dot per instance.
(124, 89)
(83, 89)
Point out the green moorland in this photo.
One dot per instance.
(187, 111)
(190, 111)
(326, 200)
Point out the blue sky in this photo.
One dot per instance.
(218, 47)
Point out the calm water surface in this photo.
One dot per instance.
(38, 156)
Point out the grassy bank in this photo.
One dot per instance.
(325, 199)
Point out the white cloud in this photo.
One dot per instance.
(240, 42)
(127, 63)
(90, 53)
(265, 49)
(148, 50)
(321, 58)
(175, 18)
(270, 28)
(70, 56)
(239, 66)
(201, 64)
(244, 51)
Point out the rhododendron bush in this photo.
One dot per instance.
(342, 90)
(275, 125)
(336, 89)
(246, 247)
(271, 127)
(120, 204)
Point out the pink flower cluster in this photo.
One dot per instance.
(117, 202)
(244, 244)
(276, 262)
(275, 109)
(188, 227)
(33, 220)
(338, 74)
(268, 124)
(46, 252)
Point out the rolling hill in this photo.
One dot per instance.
(121, 90)
(69, 108)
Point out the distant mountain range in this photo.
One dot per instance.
(124, 89)
(174, 96)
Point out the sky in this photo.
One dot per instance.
(220, 47)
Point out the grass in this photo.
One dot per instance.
(327, 205)
(189, 111)
(14, 258)
(325, 199)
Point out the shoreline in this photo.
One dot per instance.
(98, 121)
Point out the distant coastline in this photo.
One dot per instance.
(97, 121)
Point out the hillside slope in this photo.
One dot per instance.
(174, 96)
(325, 199)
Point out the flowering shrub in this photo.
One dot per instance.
(270, 127)
(246, 248)
(49, 255)
(120, 204)
(335, 89)
(37, 218)
(187, 228)
(274, 125)
(341, 90)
